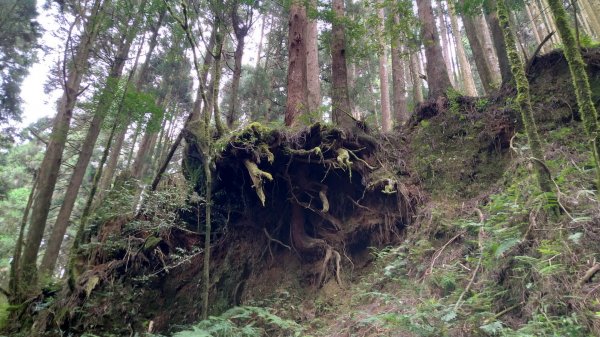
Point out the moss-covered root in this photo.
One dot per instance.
(257, 176)
(580, 78)
(523, 99)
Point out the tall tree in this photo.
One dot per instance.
(401, 113)
(465, 67)
(119, 138)
(580, 78)
(499, 44)
(386, 118)
(340, 100)
(241, 20)
(50, 166)
(523, 99)
(415, 75)
(106, 97)
(19, 32)
(437, 72)
(313, 83)
(297, 92)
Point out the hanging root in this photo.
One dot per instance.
(329, 253)
(324, 200)
(257, 176)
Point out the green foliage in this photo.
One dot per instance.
(243, 322)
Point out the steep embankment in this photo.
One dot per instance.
(471, 251)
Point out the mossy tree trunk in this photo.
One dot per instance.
(581, 81)
(523, 98)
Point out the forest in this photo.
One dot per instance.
(300, 168)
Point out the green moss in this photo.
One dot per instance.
(579, 75)
(151, 243)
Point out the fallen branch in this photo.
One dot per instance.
(589, 274)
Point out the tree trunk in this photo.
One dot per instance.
(260, 41)
(485, 37)
(416, 79)
(445, 43)
(579, 75)
(51, 163)
(312, 66)
(340, 100)
(14, 283)
(87, 148)
(499, 44)
(297, 92)
(591, 15)
(398, 80)
(119, 139)
(523, 98)
(240, 30)
(465, 67)
(352, 88)
(437, 73)
(386, 118)
(479, 54)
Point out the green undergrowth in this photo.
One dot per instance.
(246, 321)
(497, 265)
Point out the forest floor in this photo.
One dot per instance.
(453, 238)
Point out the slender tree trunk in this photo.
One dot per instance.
(352, 88)
(386, 115)
(14, 283)
(535, 21)
(437, 73)
(87, 149)
(312, 65)
(119, 139)
(51, 163)
(592, 16)
(579, 75)
(416, 79)
(499, 44)
(136, 134)
(523, 98)
(536, 34)
(297, 92)
(217, 66)
(444, 42)
(240, 30)
(340, 101)
(142, 157)
(398, 80)
(548, 22)
(260, 41)
(485, 36)
(465, 67)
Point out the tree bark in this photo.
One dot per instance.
(51, 163)
(312, 65)
(485, 37)
(465, 67)
(87, 148)
(437, 73)
(523, 98)
(591, 16)
(297, 92)
(416, 79)
(386, 118)
(581, 84)
(398, 80)
(445, 43)
(340, 100)
(240, 30)
(499, 44)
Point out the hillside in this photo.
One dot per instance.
(437, 229)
